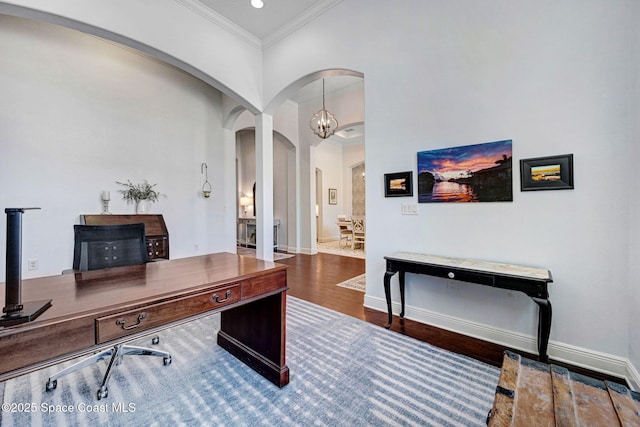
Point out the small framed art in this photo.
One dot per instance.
(547, 173)
(333, 196)
(399, 184)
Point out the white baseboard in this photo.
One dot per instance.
(305, 251)
(294, 250)
(633, 377)
(577, 356)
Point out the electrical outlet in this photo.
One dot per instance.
(33, 264)
(196, 247)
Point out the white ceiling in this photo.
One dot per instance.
(275, 16)
(275, 20)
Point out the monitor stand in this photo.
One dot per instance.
(16, 312)
(30, 310)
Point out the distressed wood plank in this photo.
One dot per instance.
(534, 395)
(530, 393)
(501, 414)
(593, 404)
(626, 404)
(563, 401)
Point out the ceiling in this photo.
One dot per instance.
(275, 20)
(275, 16)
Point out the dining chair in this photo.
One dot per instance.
(344, 228)
(358, 230)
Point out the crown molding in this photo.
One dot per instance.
(221, 21)
(295, 24)
(299, 22)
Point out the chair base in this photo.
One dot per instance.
(115, 356)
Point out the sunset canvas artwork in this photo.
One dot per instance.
(471, 173)
(545, 173)
(399, 184)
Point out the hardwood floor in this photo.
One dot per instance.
(314, 277)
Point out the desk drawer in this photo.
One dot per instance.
(157, 247)
(465, 276)
(263, 284)
(133, 321)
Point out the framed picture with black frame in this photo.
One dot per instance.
(399, 184)
(547, 173)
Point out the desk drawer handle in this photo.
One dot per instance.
(451, 275)
(217, 299)
(122, 322)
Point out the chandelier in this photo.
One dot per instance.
(323, 123)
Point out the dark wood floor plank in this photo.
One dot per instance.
(313, 278)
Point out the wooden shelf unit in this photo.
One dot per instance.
(157, 236)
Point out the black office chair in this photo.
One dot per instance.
(106, 246)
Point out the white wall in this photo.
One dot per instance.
(555, 77)
(336, 162)
(182, 33)
(632, 112)
(548, 75)
(329, 160)
(78, 114)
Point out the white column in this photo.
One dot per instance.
(264, 187)
(230, 191)
(307, 199)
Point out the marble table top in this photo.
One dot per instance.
(469, 264)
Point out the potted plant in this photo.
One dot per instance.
(142, 195)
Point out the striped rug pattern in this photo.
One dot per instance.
(344, 372)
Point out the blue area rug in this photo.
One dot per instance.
(344, 372)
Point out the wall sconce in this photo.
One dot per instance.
(206, 187)
(245, 202)
(106, 196)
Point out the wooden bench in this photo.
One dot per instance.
(531, 393)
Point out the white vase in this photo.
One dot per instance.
(142, 207)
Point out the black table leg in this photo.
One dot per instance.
(544, 327)
(387, 293)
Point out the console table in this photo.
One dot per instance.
(531, 281)
(94, 311)
(247, 232)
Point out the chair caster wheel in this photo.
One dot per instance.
(51, 385)
(166, 360)
(103, 393)
(155, 340)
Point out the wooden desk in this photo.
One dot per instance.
(531, 281)
(98, 312)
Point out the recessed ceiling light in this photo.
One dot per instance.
(257, 4)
